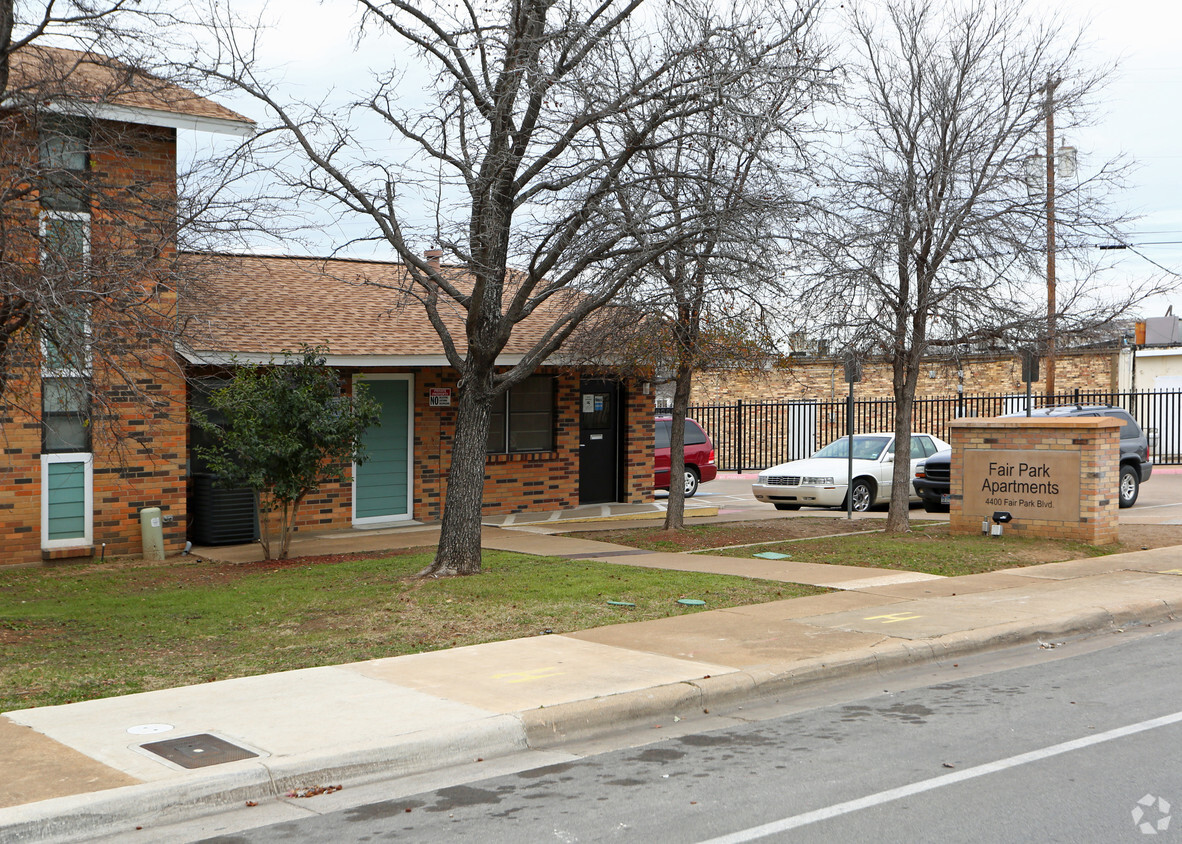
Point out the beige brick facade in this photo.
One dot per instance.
(1096, 442)
(822, 379)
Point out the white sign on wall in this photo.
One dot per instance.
(441, 397)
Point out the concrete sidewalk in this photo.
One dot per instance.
(81, 770)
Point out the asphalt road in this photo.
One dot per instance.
(1071, 743)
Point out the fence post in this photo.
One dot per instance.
(739, 431)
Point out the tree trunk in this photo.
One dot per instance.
(459, 535)
(906, 372)
(264, 525)
(287, 525)
(675, 509)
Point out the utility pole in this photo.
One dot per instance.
(1052, 84)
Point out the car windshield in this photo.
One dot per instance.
(865, 448)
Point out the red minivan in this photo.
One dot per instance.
(699, 455)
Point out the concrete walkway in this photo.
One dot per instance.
(79, 770)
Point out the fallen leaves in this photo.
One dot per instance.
(314, 791)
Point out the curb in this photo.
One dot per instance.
(580, 720)
(85, 816)
(78, 817)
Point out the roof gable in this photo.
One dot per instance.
(71, 81)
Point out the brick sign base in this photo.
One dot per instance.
(1057, 478)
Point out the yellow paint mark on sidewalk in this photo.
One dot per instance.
(1171, 571)
(891, 618)
(528, 676)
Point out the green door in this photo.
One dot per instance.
(382, 486)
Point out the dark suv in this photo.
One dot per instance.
(933, 477)
(699, 456)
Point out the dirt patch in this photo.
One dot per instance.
(18, 632)
(216, 573)
(1136, 537)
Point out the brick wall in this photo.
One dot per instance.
(140, 447)
(1096, 440)
(823, 379)
(639, 434)
(513, 483)
(129, 474)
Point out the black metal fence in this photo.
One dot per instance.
(755, 435)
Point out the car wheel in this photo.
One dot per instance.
(691, 481)
(935, 508)
(1130, 485)
(863, 495)
(780, 505)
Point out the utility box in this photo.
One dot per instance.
(220, 516)
(152, 531)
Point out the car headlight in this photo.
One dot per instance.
(762, 479)
(919, 470)
(817, 481)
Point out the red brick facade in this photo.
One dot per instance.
(513, 483)
(139, 451)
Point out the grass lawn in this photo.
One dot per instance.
(87, 631)
(931, 550)
(928, 548)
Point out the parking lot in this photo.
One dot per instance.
(1159, 503)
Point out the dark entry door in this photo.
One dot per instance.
(599, 422)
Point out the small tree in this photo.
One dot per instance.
(287, 430)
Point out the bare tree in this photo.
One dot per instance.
(728, 174)
(520, 156)
(926, 234)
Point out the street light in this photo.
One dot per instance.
(1040, 177)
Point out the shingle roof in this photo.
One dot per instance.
(54, 73)
(264, 305)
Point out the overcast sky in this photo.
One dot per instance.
(312, 45)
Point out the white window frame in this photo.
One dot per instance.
(87, 459)
(85, 370)
(408, 516)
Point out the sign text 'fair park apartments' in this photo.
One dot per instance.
(1027, 484)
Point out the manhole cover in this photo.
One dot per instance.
(198, 751)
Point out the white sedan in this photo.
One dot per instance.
(822, 480)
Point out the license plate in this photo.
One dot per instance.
(946, 498)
